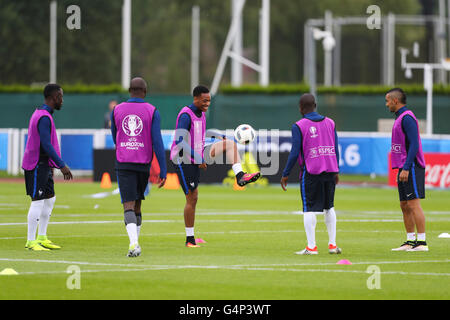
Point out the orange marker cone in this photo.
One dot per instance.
(172, 182)
(106, 181)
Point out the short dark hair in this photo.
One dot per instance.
(50, 88)
(198, 90)
(307, 101)
(400, 94)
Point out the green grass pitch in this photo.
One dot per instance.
(251, 239)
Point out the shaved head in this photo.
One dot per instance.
(397, 93)
(138, 87)
(395, 99)
(307, 103)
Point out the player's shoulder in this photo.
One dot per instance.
(149, 105)
(408, 117)
(118, 106)
(329, 119)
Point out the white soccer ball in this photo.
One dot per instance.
(244, 134)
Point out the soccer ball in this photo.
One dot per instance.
(244, 134)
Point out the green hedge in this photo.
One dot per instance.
(281, 88)
(69, 88)
(347, 89)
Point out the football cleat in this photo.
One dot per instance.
(419, 246)
(405, 246)
(46, 243)
(247, 178)
(191, 242)
(308, 251)
(334, 249)
(192, 245)
(134, 250)
(35, 246)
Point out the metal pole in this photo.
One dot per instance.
(53, 40)
(384, 45)
(195, 47)
(428, 85)
(264, 43)
(388, 50)
(306, 44)
(328, 54)
(126, 43)
(337, 54)
(441, 41)
(391, 50)
(312, 64)
(448, 24)
(236, 66)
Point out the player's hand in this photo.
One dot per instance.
(336, 177)
(161, 182)
(66, 172)
(283, 183)
(202, 166)
(404, 175)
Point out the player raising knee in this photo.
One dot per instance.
(189, 154)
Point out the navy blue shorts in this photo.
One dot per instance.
(188, 175)
(39, 182)
(317, 191)
(414, 188)
(132, 184)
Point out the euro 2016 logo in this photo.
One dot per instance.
(132, 125)
(313, 131)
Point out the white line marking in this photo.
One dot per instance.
(218, 213)
(248, 269)
(231, 267)
(213, 221)
(215, 266)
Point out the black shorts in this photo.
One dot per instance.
(188, 175)
(39, 182)
(414, 188)
(317, 191)
(132, 184)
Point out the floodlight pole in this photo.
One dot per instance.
(53, 40)
(126, 43)
(236, 66)
(264, 43)
(328, 59)
(441, 42)
(195, 47)
(448, 23)
(312, 75)
(388, 50)
(428, 85)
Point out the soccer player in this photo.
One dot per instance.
(407, 156)
(189, 154)
(315, 147)
(42, 154)
(135, 128)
